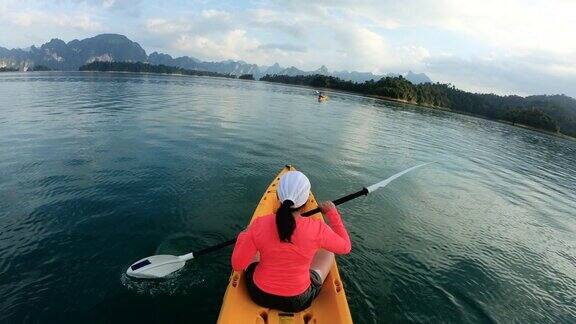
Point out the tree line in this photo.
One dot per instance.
(8, 69)
(140, 67)
(556, 113)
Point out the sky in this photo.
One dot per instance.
(506, 47)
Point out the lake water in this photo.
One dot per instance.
(98, 170)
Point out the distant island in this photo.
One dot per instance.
(555, 113)
(140, 67)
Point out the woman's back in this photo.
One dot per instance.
(284, 266)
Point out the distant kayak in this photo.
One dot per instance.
(321, 96)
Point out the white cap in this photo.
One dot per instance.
(294, 186)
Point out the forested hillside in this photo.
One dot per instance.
(555, 113)
(146, 68)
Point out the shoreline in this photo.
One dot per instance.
(445, 109)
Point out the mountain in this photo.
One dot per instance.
(274, 69)
(323, 70)
(231, 67)
(417, 78)
(223, 67)
(59, 55)
(354, 76)
(293, 71)
(360, 77)
(185, 62)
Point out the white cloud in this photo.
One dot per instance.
(217, 14)
(270, 20)
(108, 3)
(365, 50)
(504, 75)
(232, 45)
(361, 48)
(130, 7)
(163, 26)
(205, 23)
(282, 47)
(528, 45)
(507, 24)
(80, 21)
(514, 26)
(218, 35)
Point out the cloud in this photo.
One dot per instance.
(205, 23)
(519, 46)
(232, 45)
(516, 25)
(507, 24)
(208, 34)
(365, 50)
(361, 48)
(236, 44)
(129, 7)
(164, 27)
(283, 47)
(80, 21)
(295, 26)
(215, 14)
(505, 75)
(218, 34)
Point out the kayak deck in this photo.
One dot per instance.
(329, 307)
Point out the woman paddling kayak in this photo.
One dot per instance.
(287, 256)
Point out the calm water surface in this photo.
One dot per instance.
(99, 170)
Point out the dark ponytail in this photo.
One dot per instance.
(285, 222)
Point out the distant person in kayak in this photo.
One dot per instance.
(288, 256)
(321, 96)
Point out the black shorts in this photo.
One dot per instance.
(290, 304)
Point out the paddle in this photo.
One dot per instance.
(158, 266)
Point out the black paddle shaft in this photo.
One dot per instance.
(336, 202)
(214, 247)
(339, 201)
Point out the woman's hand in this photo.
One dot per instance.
(326, 206)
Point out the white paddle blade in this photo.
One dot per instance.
(384, 183)
(156, 266)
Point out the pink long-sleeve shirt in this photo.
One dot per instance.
(284, 268)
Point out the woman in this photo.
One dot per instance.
(288, 256)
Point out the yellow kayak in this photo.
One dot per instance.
(322, 98)
(329, 307)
